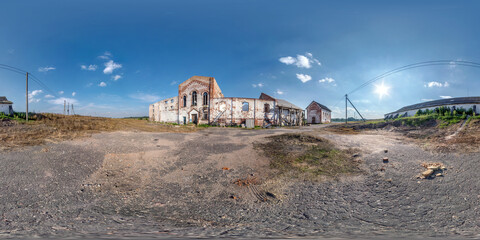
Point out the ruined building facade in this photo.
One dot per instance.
(201, 101)
(318, 113)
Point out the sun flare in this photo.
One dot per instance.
(381, 90)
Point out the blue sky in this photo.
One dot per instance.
(114, 58)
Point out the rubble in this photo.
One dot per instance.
(435, 169)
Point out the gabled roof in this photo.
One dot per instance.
(320, 105)
(266, 97)
(287, 104)
(280, 102)
(3, 100)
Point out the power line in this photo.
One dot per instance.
(411, 66)
(33, 77)
(416, 65)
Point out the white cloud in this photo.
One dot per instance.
(426, 99)
(36, 92)
(60, 101)
(116, 77)
(436, 84)
(102, 84)
(301, 61)
(105, 55)
(33, 94)
(326, 80)
(89, 84)
(49, 96)
(279, 92)
(60, 92)
(90, 67)
(73, 94)
(287, 60)
(110, 66)
(445, 97)
(258, 85)
(304, 77)
(45, 69)
(173, 83)
(145, 97)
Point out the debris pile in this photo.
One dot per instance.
(435, 169)
(245, 182)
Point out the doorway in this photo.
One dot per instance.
(313, 120)
(184, 120)
(195, 118)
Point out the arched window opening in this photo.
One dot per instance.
(194, 98)
(205, 98)
(184, 101)
(245, 106)
(266, 107)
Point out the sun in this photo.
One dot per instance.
(381, 90)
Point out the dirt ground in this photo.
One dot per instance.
(172, 184)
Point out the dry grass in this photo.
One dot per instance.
(310, 157)
(430, 134)
(56, 127)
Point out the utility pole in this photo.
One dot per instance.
(73, 112)
(26, 112)
(346, 116)
(64, 106)
(68, 108)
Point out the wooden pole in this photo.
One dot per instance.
(26, 91)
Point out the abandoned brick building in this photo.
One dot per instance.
(318, 113)
(201, 101)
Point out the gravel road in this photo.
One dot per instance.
(161, 185)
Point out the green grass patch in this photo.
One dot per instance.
(302, 155)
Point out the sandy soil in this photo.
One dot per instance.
(144, 184)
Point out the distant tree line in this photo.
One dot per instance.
(350, 119)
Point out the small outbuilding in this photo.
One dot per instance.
(318, 113)
(5, 106)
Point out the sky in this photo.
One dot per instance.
(114, 58)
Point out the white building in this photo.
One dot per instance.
(318, 113)
(5, 106)
(452, 103)
(201, 101)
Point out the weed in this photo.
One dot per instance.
(309, 156)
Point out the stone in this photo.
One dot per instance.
(434, 168)
(427, 173)
(385, 159)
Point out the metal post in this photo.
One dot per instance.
(26, 112)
